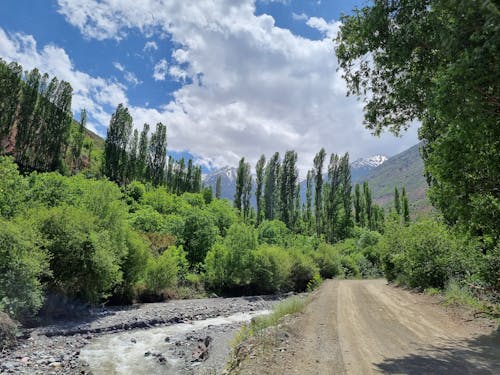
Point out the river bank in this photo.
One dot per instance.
(56, 349)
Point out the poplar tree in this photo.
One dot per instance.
(288, 180)
(270, 186)
(243, 187)
(76, 147)
(332, 203)
(308, 211)
(218, 183)
(115, 147)
(133, 159)
(367, 197)
(157, 155)
(406, 209)
(259, 170)
(345, 182)
(358, 212)
(10, 95)
(319, 159)
(397, 201)
(142, 157)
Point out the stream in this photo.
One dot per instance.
(165, 350)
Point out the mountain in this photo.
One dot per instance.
(228, 181)
(382, 173)
(402, 170)
(361, 167)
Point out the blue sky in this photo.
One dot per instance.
(230, 78)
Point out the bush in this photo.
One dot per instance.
(273, 232)
(427, 254)
(13, 188)
(22, 264)
(146, 219)
(162, 272)
(302, 271)
(328, 260)
(199, 235)
(270, 269)
(83, 259)
(350, 266)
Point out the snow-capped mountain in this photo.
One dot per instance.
(369, 162)
(361, 166)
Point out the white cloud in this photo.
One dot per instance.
(299, 17)
(263, 89)
(328, 29)
(150, 46)
(160, 70)
(119, 66)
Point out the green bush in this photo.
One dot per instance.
(83, 259)
(13, 188)
(327, 259)
(350, 266)
(22, 264)
(302, 270)
(146, 219)
(273, 232)
(199, 235)
(270, 269)
(427, 254)
(162, 271)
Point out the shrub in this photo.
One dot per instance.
(270, 269)
(146, 219)
(199, 235)
(162, 272)
(273, 232)
(349, 266)
(302, 271)
(328, 261)
(21, 266)
(83, 259)
(13, 188)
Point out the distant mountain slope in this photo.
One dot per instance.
(404, 169)
(361, 167)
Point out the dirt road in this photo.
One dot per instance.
(367, 326)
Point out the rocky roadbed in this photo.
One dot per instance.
(55, 349)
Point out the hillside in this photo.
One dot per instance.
(404, 169)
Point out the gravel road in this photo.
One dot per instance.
(367, 326)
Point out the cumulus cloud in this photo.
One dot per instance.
(250, 87)
(160, 70)
(328, 29)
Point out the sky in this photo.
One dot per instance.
(229, 78)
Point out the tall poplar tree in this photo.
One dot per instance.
(397, 201)
(218, 188)
(115, 147)
(142, 157)
(367, 197)
(319, 159)
(308, 211)
(346, 186)
(406, 208)
(358, 211)
(157, 155)
(270, 186)
(332, 204)
(259, 170)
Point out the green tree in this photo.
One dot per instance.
(218, 187)
(406, 209)
(308, 213)
(367, 200)
(243, 188)
(157, 155)
(288, 181)
(115, 147)
(270, 186)
(259, 170)
(397, 201)
(142, 158)
(319, 159)
(435, 61)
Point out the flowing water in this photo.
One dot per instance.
(154, 350)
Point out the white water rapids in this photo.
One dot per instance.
(124, 353)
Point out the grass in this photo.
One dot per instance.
(258, 325)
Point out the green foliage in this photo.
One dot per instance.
(273, 232)
(199, 235)
(427, 254)
(271, 268)
(435, 61)
(13, 188)
(328, 260)
(22, 264)
(83, 260)
(146, 219)
(223, 213)
(162, 271)
(302, 271)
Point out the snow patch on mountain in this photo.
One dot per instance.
(369, 162)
